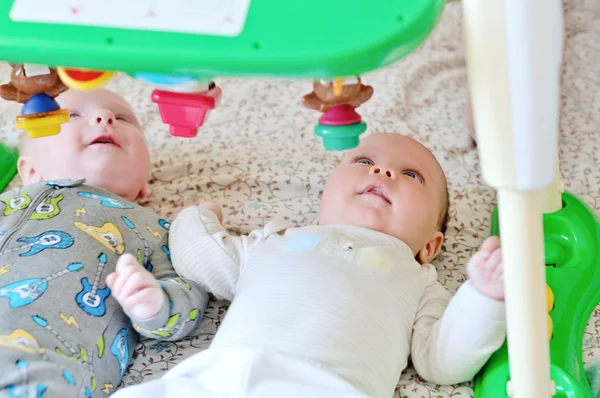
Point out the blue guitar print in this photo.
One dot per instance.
(131, 225)
(120, 349)
(25, 389)
(140, 260)
(27, 291)
(45, 240)
(90, 298)
(167, 252)
(80, 355)
(106, 201)
(69, 378)
(165, 224)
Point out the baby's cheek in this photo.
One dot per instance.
(54, 161)
(138, 143)
(415, 216)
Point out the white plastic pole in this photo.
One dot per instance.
(525, 285)
(514, 50)
(552, 194)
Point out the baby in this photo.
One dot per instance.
(336, 308)
(62, 333)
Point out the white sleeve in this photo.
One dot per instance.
(454, 337)
(203, 251)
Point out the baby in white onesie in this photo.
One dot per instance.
(335, 309)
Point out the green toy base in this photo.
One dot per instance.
(8, 165)
(340, 138)
(298, 39)
(572, 251)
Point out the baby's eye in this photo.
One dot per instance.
(363, 160)
(414, 175)
(122, 118)
(74, 114)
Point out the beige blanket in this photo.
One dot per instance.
(259, 158)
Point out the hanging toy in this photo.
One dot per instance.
(84, 79)
(36, 86)
(184, 102)
(339, 126)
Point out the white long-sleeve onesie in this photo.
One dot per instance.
(343, 300)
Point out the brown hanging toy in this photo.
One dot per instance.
(36, 86)
(340, 125)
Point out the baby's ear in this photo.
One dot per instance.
(27, 171)
(316, 222)
(143, 192)
(431, 249)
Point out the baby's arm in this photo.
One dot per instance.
(167, 308)
(204, 252)
(454, 338)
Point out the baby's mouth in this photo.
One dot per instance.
(105, 140)
(378, 190)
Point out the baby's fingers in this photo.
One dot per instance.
(110, 279)
(124, 270)
(490, 244)
(137, 282)
(145, 303)
(125, 261)
(476, 261)
(494, 261)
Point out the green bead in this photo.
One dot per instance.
(340, 138)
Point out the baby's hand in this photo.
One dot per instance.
(485, 269)
(135, 288)
(215, 208)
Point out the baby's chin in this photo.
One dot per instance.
(365, 220)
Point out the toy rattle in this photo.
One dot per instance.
(36, 86)
(340, 125)
(184, 102)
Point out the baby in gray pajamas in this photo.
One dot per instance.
(73, 255)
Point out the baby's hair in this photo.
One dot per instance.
(444, 215)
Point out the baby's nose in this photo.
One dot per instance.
(102, 117)
(383, 171)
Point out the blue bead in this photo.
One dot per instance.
(40, 103)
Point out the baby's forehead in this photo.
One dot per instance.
(394, 146)
(98, 98)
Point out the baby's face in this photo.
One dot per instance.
(391, 184)
(102, 142)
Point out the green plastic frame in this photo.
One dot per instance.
(572, 251)
(8, 165)
(304, 39)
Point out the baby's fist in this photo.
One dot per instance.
(135, 288)
(485, 269)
